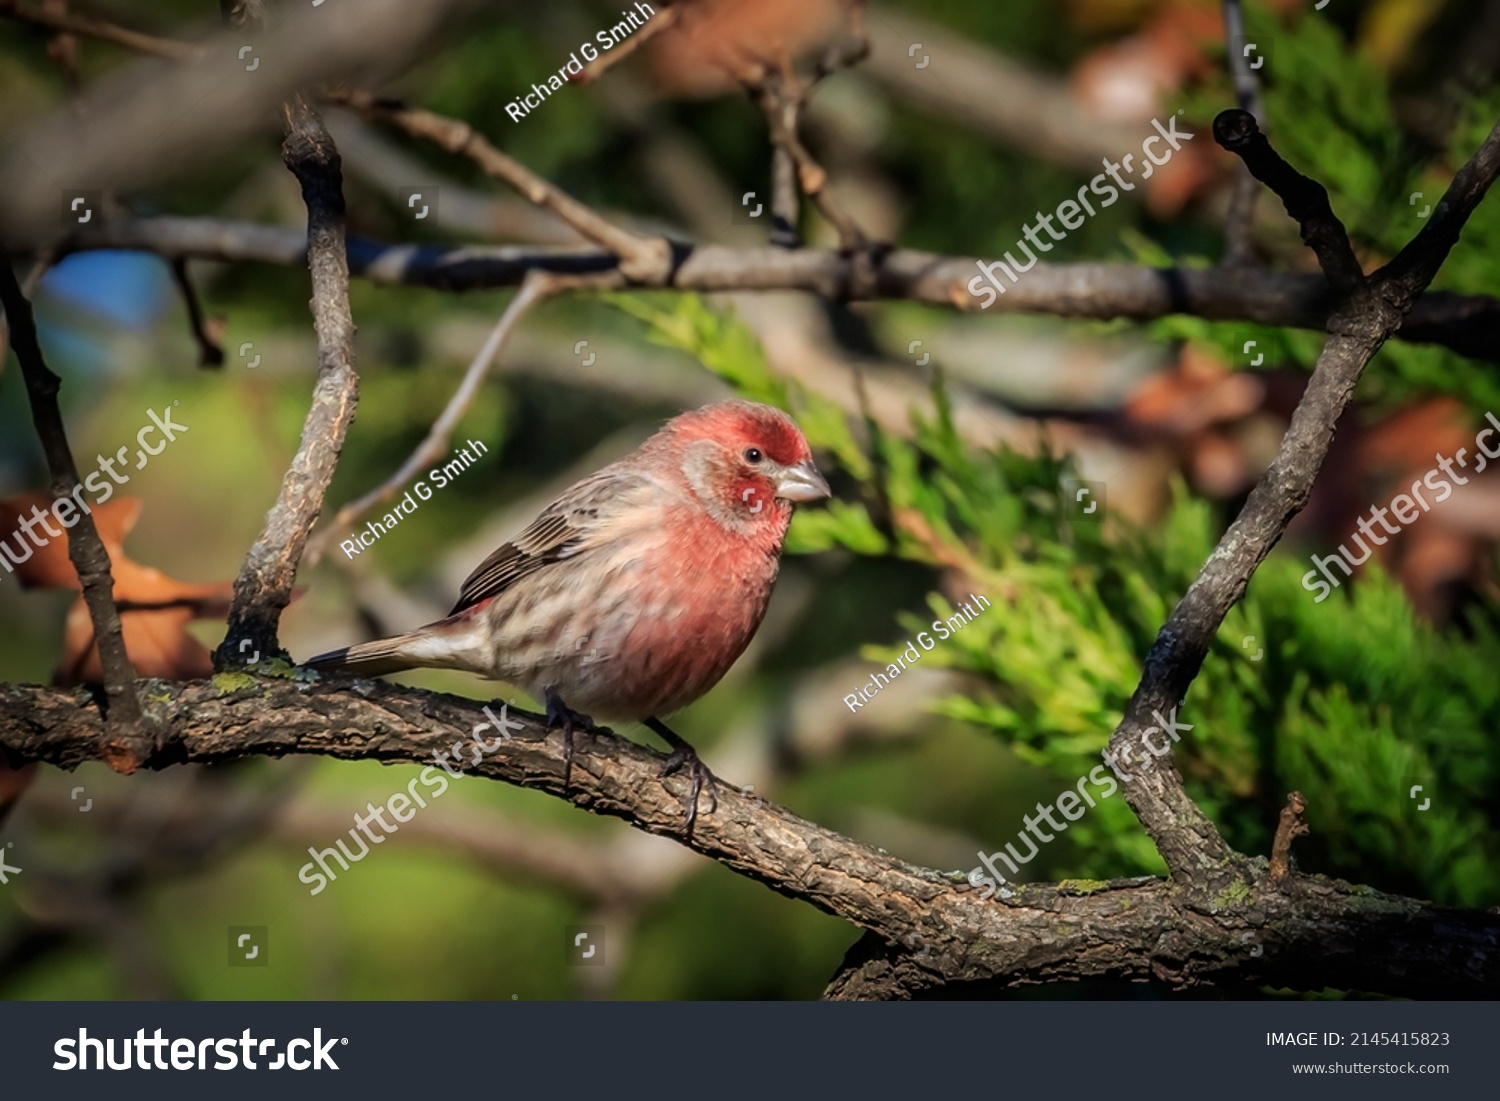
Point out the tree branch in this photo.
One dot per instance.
(1417, 264)
(994, 95)
(167, 49)
(646, 259)
(210, 352)
(1466, 324)
(663, 20)
(264, 585)
(129, 741)
(1305, 934)
(1305, 199)
(1367, 315)
(1288, 830)
(121, 142)
(1239, 223)
(780, 97)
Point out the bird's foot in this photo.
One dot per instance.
(686, 757)
(559, 714)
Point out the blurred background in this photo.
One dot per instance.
(950, 439)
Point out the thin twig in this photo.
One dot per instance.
(1417, 264)
(1246, 86)
(785, 218)
(780, 96)
(848, 50)
(91, 27)
(264, 585)
(370, 152)
(1305, 199)
(537, 286)
(786, 202)
(210, 351)
(643, 259)
(1468, 324)
(1288, 830)
(1239, 223)
(85, 549)
(62, 48)
(45, 258)
(662, 21)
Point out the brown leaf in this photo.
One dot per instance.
(715, 40)
(155, 609)
(1195, 394)
(156, 640)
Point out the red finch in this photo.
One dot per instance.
(632, 594)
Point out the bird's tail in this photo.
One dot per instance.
(367, 659)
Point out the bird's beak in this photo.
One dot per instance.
(802, 483)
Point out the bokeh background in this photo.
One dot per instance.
(948, 438)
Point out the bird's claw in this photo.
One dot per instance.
(559, 714)
(685, 757)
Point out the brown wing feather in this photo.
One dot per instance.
(568, 526)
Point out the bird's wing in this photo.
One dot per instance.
(588, 513)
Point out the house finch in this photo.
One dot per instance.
(633, 593)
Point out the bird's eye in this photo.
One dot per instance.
(753, 455)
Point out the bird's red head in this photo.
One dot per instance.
(750, 462)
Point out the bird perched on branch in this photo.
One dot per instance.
(632, 594)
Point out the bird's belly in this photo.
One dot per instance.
(641, 642)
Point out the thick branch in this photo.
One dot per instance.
(1006, 100)
(264, 586)
(1305, 934)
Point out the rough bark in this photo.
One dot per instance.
(929, 930)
